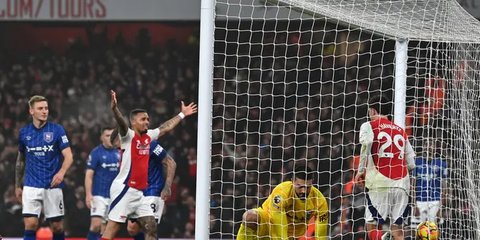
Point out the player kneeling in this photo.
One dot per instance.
(288, 210)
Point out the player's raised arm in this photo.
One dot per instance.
(122, 124)
(19, 172)
(169, 167)
(169, 125)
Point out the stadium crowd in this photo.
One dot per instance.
(281, 98)
(318, 103)
(77, 84)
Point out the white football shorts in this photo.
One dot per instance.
(387, 203)
(99, 207)
(127, 202)
(156, 204)
(51, 199)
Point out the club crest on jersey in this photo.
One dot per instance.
(48, 137)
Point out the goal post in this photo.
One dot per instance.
(290, 83)
(400, 96)
(204, 136)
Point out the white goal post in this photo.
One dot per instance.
(283, 81)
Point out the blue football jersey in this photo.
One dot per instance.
(156, 179)
(42, 148)
(105, 163)
(429, 176)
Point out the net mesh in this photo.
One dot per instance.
(291, 83)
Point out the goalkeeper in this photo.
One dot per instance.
(287, 211)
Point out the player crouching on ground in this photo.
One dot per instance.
(288, 210)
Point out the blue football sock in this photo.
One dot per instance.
(59, 236)
(29, 235)
(93, 235)
(139, 236)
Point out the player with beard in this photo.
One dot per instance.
(288, 210)
(126, 192)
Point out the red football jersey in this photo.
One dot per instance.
(135, 158)
(388, 148)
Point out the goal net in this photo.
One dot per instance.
(291, 83)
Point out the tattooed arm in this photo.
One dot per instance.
(169, 167)
(122, 124)
(19, 172)
(169, 125)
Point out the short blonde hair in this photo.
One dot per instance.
(35, 99)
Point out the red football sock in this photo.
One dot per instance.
(375, 234)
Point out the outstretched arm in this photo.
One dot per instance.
(122, 124)
(169, 167)
(173, 122)
(19, 172)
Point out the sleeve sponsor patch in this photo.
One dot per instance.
(323, 217)
(64, 139)
(158, 150)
